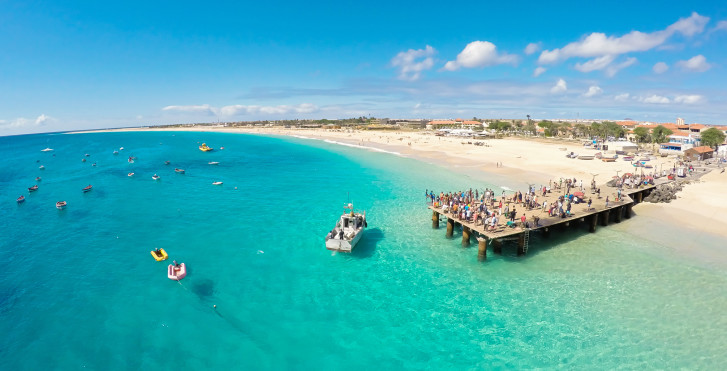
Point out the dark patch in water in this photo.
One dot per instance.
(203, 288)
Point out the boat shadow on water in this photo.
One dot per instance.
(367, 246)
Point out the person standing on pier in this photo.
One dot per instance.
(606, 201)
(589, 203)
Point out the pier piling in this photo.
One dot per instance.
(450, 227)
(435, 220)
(619, 212)
(627, 213)
(496, 246)
(482, 249)
(593, 222)
(521, 244)
(466, 235)
(604, 217)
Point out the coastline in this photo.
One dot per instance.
(523, 161)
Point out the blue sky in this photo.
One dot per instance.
(90, 64)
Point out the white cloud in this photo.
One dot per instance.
(593, 91)
(660, 68)
(599, 45)
(658, 99)
(611, 71)
(559, 87)
(539, 71)
(21, 122)
(480, 54)
(532, 48)
(239, 109)
(622, 97)
(698, 63)
(203, 108)
(721, 25)
(40, 120)
(595, 64)
(412, 62)
(688, 99)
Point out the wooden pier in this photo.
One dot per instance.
(599, 213)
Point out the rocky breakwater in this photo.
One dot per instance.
(666, 192)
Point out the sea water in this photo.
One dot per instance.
(80, 289)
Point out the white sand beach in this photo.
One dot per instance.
(699, 206)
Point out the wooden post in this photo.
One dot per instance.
(593, 223)
(465, 235)
(521, 244)
(619, 212)
(450, 227)
(482, 249)
(639, 197)
(497, 246)
(546, 232)
(435, 220)
(627, 214)
(604, 217)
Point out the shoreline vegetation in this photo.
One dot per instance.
(521, 160)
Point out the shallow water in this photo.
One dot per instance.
(80, 289)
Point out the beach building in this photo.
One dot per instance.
(678, 143)
(698, 153)
(623, 146)
(457, 123)
(680, 121)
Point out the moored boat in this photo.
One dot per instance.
(628, 158)
(116, 152)
(130, 174)
(61, 205)
(33, 188)
(37, 179)
(585, 157)
(179, 171)
(347, 232)
(213, 163)
(156, 177)
(87, 188)
(167, 162)
(608, 159)
(131, 159)
(205, 148)
(46, 150)
(176, 271)
(216, 183)
(159, 254)
(21, 199)
(41, 167)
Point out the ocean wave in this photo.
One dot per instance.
(506, 188)
(363, 147)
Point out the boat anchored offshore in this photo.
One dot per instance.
(21, 199)
(156, 177)
(348, 230)
(179, 171)
(204, 147)
(176, 271)
(46, 150)
(61, 205)
(88, 188)
(159, 254)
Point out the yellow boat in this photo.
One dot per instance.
(159, 256)
(204, 148)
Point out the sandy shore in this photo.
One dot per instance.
(700, 205)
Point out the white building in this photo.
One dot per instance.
(680, 121)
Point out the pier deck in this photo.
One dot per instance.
(598, 212)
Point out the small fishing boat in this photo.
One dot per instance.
(46, 150)
(37, 179)
(608, 159)
(585, 157)
(213, 163)
(41, 167)
(216, 183)
(21, 199)
(176, 271)
(644, 159)
(61, 205)
(87, 188)
(167, 162)
(647, 166)
(93, 164)
(628, 158)
(87, 155)
(159, 254)
(347, 232)
(222, 147)
(156, 177)
(83, 160)
(116, 152)
(130, 174)
(33, 188)
(205, 148)
(179, 171)
(121, 148)
(131, 159)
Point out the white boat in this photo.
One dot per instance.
(116, 152)
(46, 150)
(585, 157)
(216, 183)
(348, 230)
(213, 163)
(156, 177)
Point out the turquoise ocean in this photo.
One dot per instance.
(80, 290)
